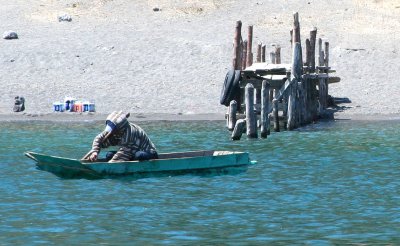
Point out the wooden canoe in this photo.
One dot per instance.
(180, 162)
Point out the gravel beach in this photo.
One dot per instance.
(168, 59)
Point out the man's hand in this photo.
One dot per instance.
(93, 156)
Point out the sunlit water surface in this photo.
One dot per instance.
(325, 184)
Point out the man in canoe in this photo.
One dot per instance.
(133, 142)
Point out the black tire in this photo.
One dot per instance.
(230, 89)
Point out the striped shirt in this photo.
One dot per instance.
(130, 140)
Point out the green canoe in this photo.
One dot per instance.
(166, 163)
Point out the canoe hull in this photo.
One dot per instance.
(168, 163)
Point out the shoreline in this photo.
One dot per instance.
(95, 117)
(140, 117)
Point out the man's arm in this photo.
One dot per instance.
(100, 141)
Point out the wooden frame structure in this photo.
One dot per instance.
(289, 94)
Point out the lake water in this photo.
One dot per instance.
(326, 184)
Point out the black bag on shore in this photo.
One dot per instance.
(19, 104)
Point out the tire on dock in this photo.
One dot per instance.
(230, 89)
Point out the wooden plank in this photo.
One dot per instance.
(333, 80)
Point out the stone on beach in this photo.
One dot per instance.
(10, 35)
(64, 17)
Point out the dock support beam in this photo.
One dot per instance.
(251, 118)
(232, 115)
(239, 129)
(265, 119)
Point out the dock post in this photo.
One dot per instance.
(257, 100)
(265, 119)
(232, 115)
(249, 58)
(272, 56)
(244, 55)
(239, 129)
(259, 47)
(236, 46)
(308, 55)
(296, 32)
(326, 71)
(321, 81)
(313, 85)
(313, 39)
(263, 50)
(277, 54)
(251, 118)
(326, 54)
(307, 86)
(297, 70)
(276, 114)
(291, 107)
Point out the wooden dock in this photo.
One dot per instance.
(289, 95)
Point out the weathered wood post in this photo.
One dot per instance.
(257, 100)
(278, 54)
(232, 115)
(295, 103)
(326, 71)
(263, 50)
(239, 129)
(296, 28)
(265, 119)
(236, 46)
(244, 55)
(308, 55)
(307, 85)
(275, 112)
(251, 118)
(313, 89)
(321, 81)
(272, 57)
(297, 71)
(249, 58)
(313, 39)
(291, 38)
(326, 54)
(259, 47)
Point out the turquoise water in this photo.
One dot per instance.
(326, 184)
